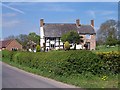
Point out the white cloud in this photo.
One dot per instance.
(9, 15)
(14, 9)
(91, 13)
(107, 12)
(57, 8)
(10, 23)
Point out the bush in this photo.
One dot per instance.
(111, 61)
(67, 45)
(80, 62)
(38, 48)
(68, 62)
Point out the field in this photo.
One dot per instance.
(103, 48)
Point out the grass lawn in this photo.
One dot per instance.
(84, 81)
(105, 49)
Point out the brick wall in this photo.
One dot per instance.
(92, 41)
(14, 44)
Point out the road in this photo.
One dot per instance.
(15, 78)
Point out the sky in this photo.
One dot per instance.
(24, 17)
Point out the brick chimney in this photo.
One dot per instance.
(78, 22)
(41, 22)
(92, 23)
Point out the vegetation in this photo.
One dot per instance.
(107, 34)
(27, 41)
(67, 45)
(38, 48)
(104, 48)
(81, 68)
(72, 37)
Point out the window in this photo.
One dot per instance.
(87, 36)
(52, 45)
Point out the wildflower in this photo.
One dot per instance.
(104, 78)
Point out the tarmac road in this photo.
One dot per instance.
(15, 78)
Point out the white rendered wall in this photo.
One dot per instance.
(42, 40)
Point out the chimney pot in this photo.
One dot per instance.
(78, 22)
(92, 23)
(41, 22)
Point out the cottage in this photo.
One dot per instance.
(10, 45)
(51, 34)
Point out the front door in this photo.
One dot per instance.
(88, 44)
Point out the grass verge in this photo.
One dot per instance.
(84, 81)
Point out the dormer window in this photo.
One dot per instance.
(88, 36)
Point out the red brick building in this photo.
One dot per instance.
(10, 45)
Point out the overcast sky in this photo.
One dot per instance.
(23, 18)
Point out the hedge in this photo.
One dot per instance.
(67, 62)
(111, 61)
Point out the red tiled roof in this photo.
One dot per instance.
(5, 43)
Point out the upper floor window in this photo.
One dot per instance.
(88, 36)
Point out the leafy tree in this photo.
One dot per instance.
(38, 48)
(107, 29)
(71, 37)
(34, 37)
(27, 41)
(67, 45)
(23, 40)
(111, 41)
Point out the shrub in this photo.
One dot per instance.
(80, 62)
(38, 48)
(68, 62)
(67, 45)
(111, 61)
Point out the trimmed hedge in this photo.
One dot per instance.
(111, 61)
(67, 62)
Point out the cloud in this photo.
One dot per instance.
(14, 9)
(9, 14)
(10, 23)
(107, 12)
(57, 8)
(91, 13)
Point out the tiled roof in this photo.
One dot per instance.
(5, 43)
(57, 30)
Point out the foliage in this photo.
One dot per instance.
(67, 45)
(46, 63)
(71, 37)
(68, 62)
(111, 61)
(108, 28)
(24, 39)
(38, 48)
(34, 37)
(111, 41)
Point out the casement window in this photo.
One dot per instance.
(52, 45)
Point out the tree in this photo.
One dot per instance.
(67, 45)
(111, 41)
(34, 37)
(27, 41)
(10, 37)
(38, 48)
(72, 37)
(107, 29)
(23, 40)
